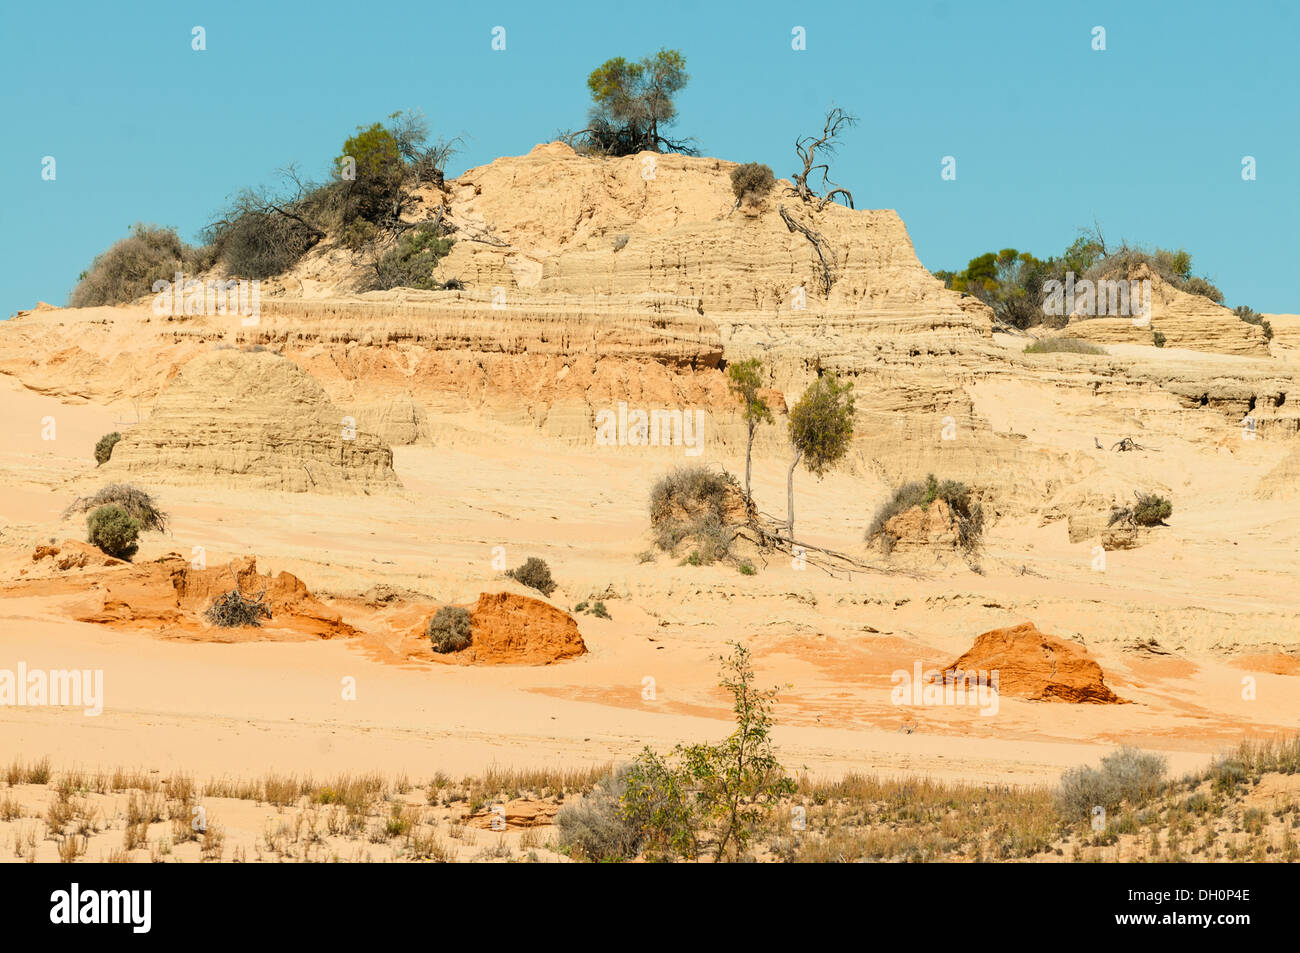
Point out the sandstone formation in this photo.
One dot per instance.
(169, 595)
(924, 527)
(1031, 664)
(1186, 320)
(587, 284)
(510, 629)
(252, 419)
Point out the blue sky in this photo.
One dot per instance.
(1147, 136)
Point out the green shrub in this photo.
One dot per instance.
(1125, 775)
(1062, 345)
(138, 504)
(747, 568)
(375, 193)
(1151, 510)
(534, 574)
(1251, 316)
(594, 828)
(599, 611)
(449, 629)
(410, 262)
(753, 179)
(129, 268)
(1158, 339)
(112, 529)
(968, 515)
(104, 448)
(231, 610)
(711, 796)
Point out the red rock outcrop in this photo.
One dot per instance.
(1034, 665)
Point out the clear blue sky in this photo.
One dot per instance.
(1148, 136)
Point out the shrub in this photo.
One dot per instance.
(233, 610)
(374, 194)
(1125, 775)
(128, 269)
(599, 611)
(1251, 316)
(753, 179)
(1151, 510)
(534, 574)
(969, 516)
(620, 241)
(112, 529)
(258, 244)
(449, 629)
(1226, 775)
(138, 504)
(724, 792)
(594, 828)
(1062, 345)
(104, 448)
(1158, 339)
(747, 568)
(410, 262)
(691, 502)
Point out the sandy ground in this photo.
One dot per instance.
(1210, 588)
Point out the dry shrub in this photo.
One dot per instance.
(138, 504)
(128, 269)
(449, 629)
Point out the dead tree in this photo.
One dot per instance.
(819, 243)
(807, 148)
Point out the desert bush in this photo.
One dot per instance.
(620, 241)
(113, 530)
(594, 828)
(712, 797)
(1173, 267)
(410, 262)
(374, 193)
(753, 179)
(233, 610)
(534, 574)
(1251, 316)
(257, 242)
(1062, 345)
(1125, 775)
(138, 504)
(1158, 339)
(449, 629)
(969, 516)
(691, 503)
(128, 269)
(1149, 510)
(104, 447)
